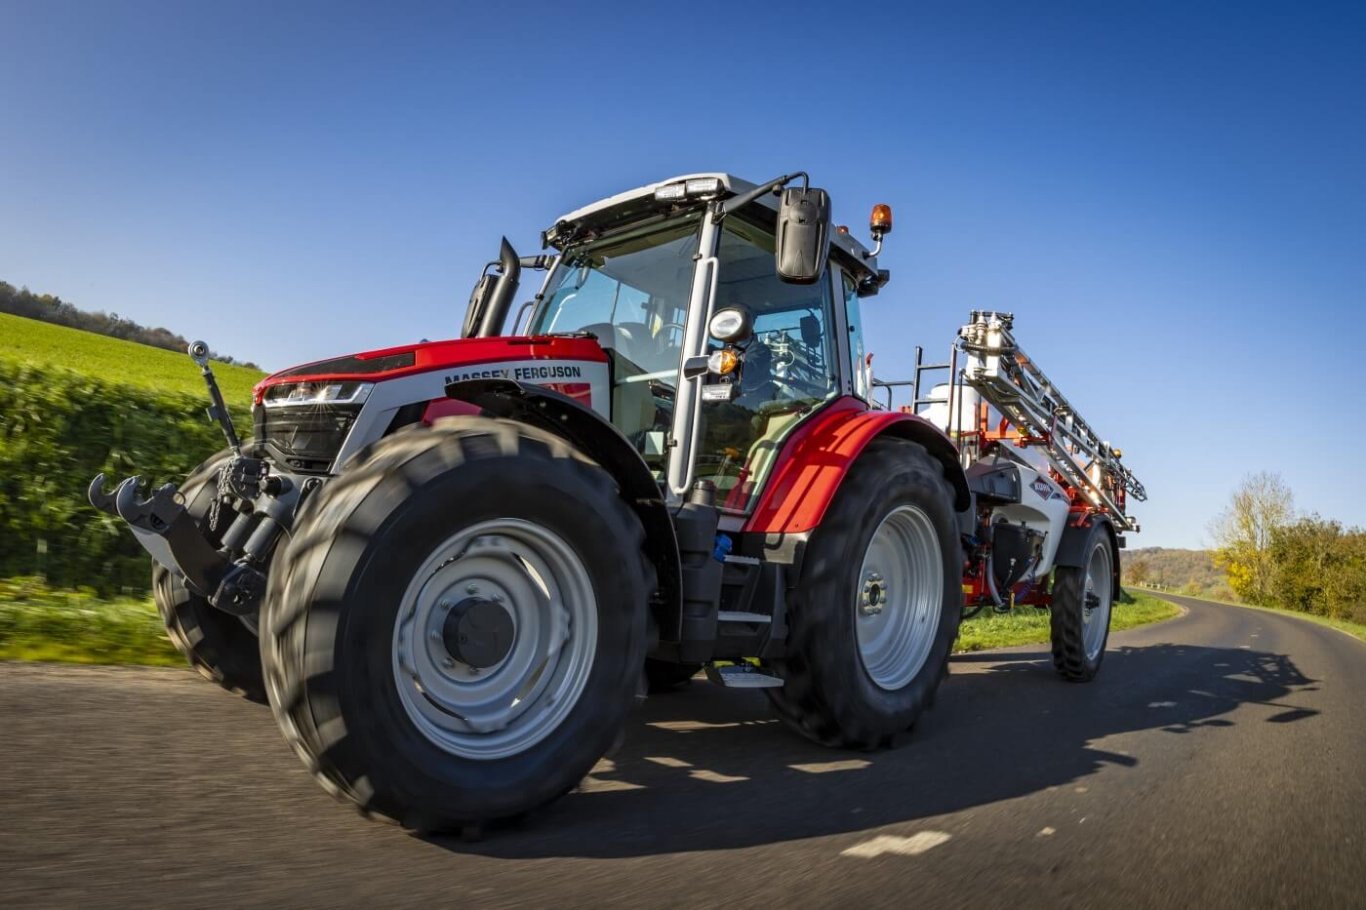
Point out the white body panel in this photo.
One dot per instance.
(391, 394)
(1044, 507)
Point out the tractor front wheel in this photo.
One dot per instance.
(878, 603)
(220, 646)
(456, 630)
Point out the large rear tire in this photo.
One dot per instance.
(221, 647)
(455, 633)
(878, 603)
(1083, 597)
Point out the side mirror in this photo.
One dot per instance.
(479, 302)
(803, 235)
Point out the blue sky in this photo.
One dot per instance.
(1170, 197)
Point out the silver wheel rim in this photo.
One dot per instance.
(506, 708)
(1095, 603)
(899, 598)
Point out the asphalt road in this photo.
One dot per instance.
(1218, 761)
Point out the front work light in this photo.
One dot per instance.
(730, 325)
(694, 188)
(672, 192)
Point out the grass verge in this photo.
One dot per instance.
(39, 623)
(1029, 625)
(1354, 629)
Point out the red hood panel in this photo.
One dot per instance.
(391, 363)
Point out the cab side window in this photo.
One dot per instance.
(861, 370)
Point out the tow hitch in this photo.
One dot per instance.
(229, 576)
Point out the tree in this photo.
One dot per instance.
(1319, 567)
(1243, 533)
(1138, 571)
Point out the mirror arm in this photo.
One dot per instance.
(724, 208)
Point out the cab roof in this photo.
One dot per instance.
(640, 202)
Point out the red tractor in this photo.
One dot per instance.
(453, 567)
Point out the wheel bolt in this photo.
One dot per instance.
(471, 588)
(447, 662)
(434, 636)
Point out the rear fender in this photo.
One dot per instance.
(816, 458)
(584, 429)
(1075, 543)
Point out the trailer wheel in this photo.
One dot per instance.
(878, 603)
(456, 631)
(221, 647)
(1082, 600)
(667, 676)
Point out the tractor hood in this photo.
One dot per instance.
(312, 418)
(454, 359)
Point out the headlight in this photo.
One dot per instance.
(297, 393)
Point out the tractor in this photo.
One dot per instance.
(452, 568)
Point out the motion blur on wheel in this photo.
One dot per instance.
(466, 560)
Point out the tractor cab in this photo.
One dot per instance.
(716, 350)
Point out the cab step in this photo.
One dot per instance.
(742, 676)
(741, 616)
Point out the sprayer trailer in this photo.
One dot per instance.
(451, 568)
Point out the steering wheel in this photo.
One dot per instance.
(665, 327)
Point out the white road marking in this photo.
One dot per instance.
(1161, 704)
(824, 767)
(1046, 832)
(901, 846)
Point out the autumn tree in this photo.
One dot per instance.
(1139, 571)
(1243, 532)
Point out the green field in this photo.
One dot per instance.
(116, 361)
(1029, 625)
(74, 404)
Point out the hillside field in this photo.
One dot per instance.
(74, 404)
(113, 360)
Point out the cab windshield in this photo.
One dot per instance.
(631, 291)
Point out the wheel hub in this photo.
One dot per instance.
(900, 597)
(874, 594)
(478, 632)
(494, 639)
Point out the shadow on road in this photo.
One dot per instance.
(707, 769)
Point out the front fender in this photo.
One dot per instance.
(816, 457)
(587, 431)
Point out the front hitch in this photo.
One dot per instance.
(166, 530)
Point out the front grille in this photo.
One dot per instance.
(305, 437)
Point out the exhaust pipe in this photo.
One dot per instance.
(500, 301)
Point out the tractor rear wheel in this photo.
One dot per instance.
(878, 603)
(221, 647)
(456, 630)
(1082, 600)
